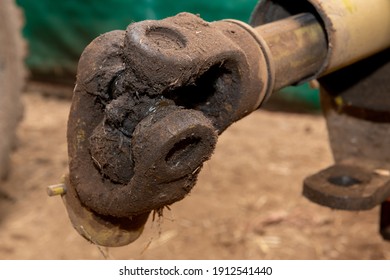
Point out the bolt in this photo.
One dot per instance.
(53, 190)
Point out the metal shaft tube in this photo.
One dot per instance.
(354, 30)
(298, 46)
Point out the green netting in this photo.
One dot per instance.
(58, 31)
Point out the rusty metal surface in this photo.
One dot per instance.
(298, 46)
(347, 187)
(358, 142)
(355, 104)
(355, 29)
(365, 96)
(356, 108)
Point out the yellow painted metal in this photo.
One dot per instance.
(54, 190)
(355, 29)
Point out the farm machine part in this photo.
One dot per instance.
(150, 102)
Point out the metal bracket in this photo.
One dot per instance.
(348, 187)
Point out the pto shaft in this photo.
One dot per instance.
(298, 46)
(150, 101)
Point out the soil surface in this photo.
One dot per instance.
(247, 203)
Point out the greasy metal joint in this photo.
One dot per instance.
(147, 109)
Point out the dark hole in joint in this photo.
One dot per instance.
(182, 151)
(344, 181)
(197, 95)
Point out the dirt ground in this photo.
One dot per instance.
(247, 203)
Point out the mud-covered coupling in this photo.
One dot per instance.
(147, 109)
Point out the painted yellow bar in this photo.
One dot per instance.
(355, 29)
